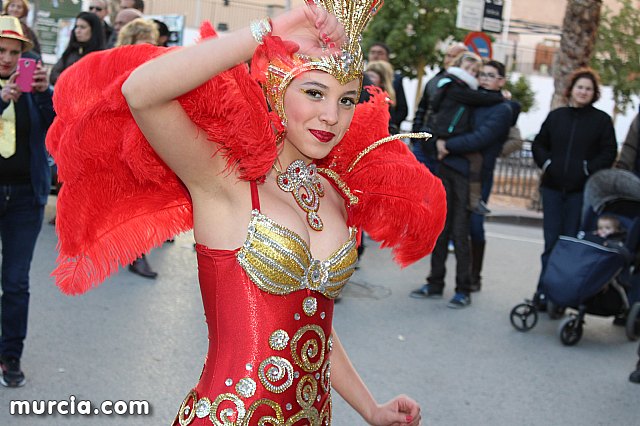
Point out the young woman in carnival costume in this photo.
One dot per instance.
(185, 139)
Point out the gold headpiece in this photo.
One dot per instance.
(345, 65)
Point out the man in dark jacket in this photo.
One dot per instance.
(25, 182)
(490, 129)
(425, 108)
(100, 8)
(491, 125)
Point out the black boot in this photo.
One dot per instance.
(477, 256)
(635, 376)
(141, 267)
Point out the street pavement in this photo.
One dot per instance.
(138, 339)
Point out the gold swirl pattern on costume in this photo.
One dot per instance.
(276, 420)
(229, 415)
(306, 394)
(326, 376)
(193, 407)
(306, 391)
(311, 348)
(279, 261)
(325, 413)
(187, 411)
(310, 414)
(273, 370)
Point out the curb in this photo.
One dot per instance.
(523, 220)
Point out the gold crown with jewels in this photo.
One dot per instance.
(345, 65)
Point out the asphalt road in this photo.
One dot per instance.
(138, 339)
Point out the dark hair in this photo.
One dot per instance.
(163, 30)
(381, 44)
(96, 42)
(139, 4)
(584, 73)
(497, 65)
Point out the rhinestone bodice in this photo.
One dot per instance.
(279, 261)
(269, 308)
(268, 360)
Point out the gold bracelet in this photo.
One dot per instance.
(260, 28)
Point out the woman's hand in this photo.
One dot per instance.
(400, 411)
(11, 91)
(316, 31)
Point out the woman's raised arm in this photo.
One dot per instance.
(151, 90)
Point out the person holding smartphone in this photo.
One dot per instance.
(24, 185)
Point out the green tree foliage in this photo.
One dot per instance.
(413, 29)
(617, 57)
(521, 92)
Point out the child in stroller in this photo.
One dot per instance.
(609, 227)
(596, 273)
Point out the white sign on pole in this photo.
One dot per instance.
(470, 14)
(492, 21)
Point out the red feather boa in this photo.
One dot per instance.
(119, 199)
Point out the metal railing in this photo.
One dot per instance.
(517, 175)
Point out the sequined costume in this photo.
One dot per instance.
(119, 200)
(271, 298)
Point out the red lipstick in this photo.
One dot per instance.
(322, 136)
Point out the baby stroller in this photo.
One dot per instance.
(589, 277)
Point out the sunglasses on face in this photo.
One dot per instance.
(96, 8)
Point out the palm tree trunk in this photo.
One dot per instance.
(579, 29)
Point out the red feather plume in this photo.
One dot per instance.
(118, 198)
(401, 204)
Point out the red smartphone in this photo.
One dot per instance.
(26, 68)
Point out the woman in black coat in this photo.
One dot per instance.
(574, 142)
(87, 36)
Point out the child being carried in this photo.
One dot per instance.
(457, 94)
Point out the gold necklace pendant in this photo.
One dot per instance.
(305, 185)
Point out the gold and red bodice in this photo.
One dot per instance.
(269, 308)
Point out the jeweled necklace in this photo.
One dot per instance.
(304, 183)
